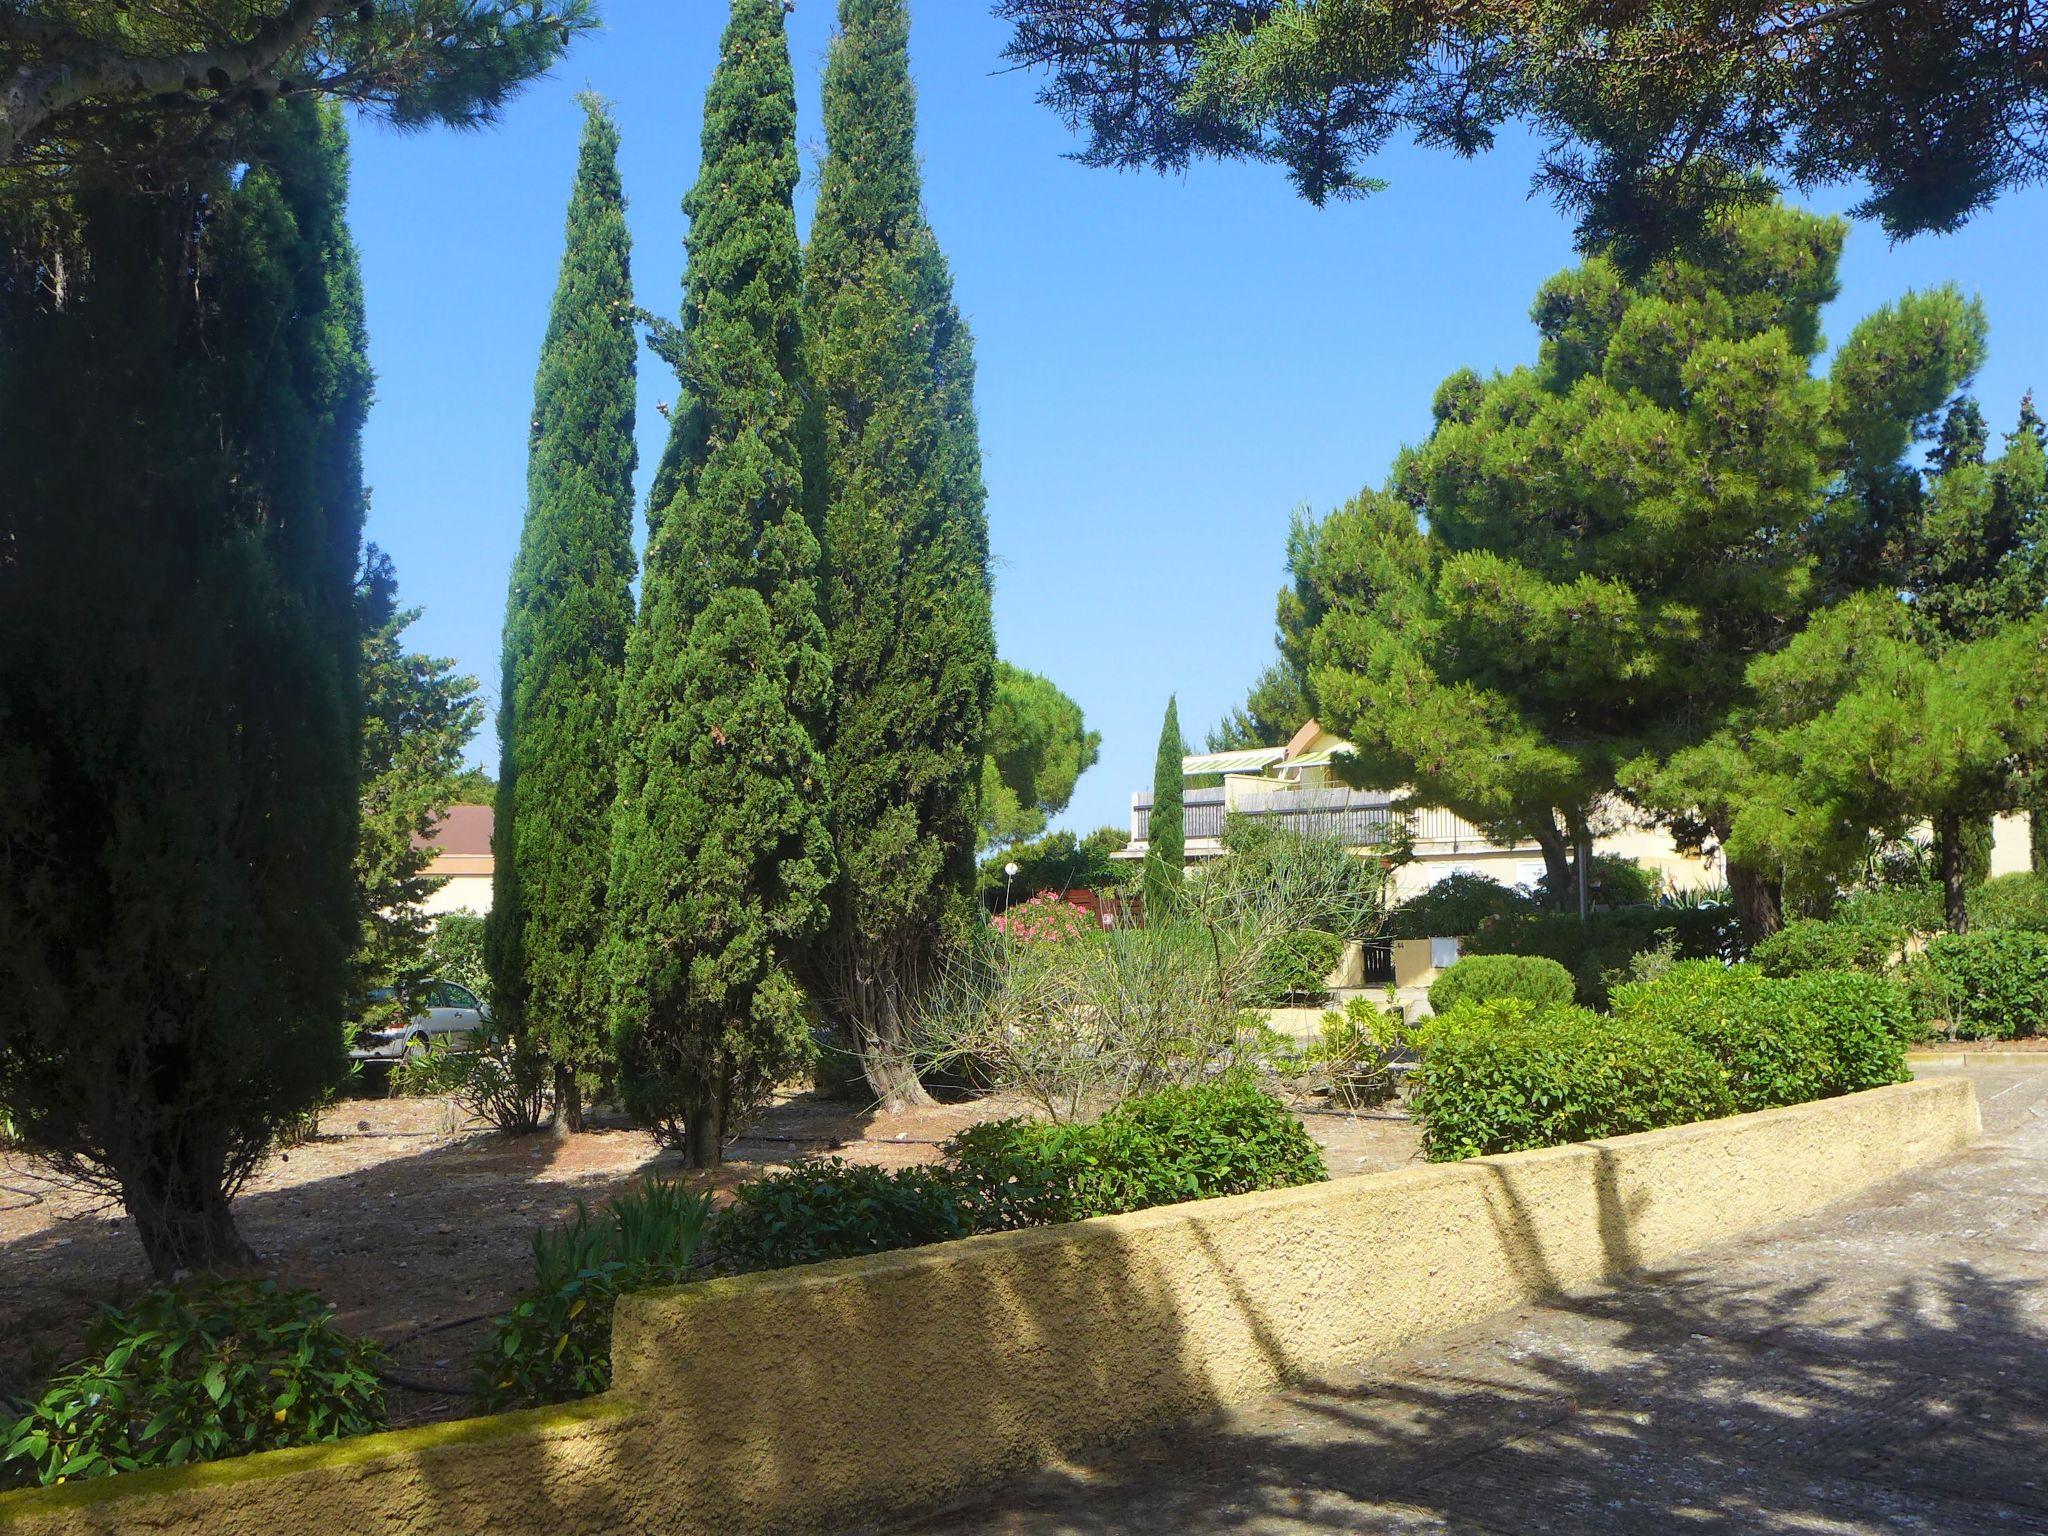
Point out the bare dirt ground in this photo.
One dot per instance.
(416, 1224)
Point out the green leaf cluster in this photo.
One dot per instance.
(206, 1370)
(1038, 746)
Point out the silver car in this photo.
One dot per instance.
(443, 1013)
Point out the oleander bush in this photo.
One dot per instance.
(430, 1073)
(1479, 978)
(556, 1341)
(1989, 984)
(508, 1081)
(1781, 1039)
(1809, 944)
(197, 1372)
(1507, 1075)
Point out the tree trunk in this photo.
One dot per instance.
(185, 1226)
(1557, 868)
(886, 1057)
(1582, 862)
(1759, 906)
(704, 1133)
(1955, 873)
(568, 1101)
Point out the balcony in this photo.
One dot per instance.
(1357, 817)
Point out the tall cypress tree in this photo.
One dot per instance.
(178, 677)
(896, 480)
(1166, 834)
(721, 856)
(566, 621)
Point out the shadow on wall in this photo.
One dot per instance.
(1695, 1401)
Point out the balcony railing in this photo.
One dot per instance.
(1357, 817)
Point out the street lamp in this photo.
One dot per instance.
(1009, 874)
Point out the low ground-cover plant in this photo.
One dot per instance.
(1781, 1040)
(1986, 985)
(1477, 978)
(210, 1369)
(1506, 1075)
(556, 1341)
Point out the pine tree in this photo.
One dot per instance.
(721, 856)
(566, 620)
(1166, 835)
(178, 678)
(896, 480)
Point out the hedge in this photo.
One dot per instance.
(1809, 944)
(1503, 1076)
(1987, 985)
(1598, 951)
(1478, 978)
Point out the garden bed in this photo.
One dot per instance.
(416, 1225)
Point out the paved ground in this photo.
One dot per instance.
(1879, 1367)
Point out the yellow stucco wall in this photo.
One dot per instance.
(814, 1397)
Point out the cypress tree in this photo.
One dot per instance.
(896, 479)
(566, 620)
(178, 677)
(721, 857)
(1166, 836)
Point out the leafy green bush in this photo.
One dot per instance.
(430, 1073)
(198, 1372)
(1506, 1075)
(1914, 907)
(1781, 1040)
(1602, 950)
(2011, 901)
(507, 1081)
(1297, 965)
(1455, 907)
(556, 1341)
(1811, 945)
(1223, 1137)
(1991, 984)
(1617, 882)
(1476, 978)
(828, 1208)
(455, 952)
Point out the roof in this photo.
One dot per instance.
(465, 830)
(1249, 760)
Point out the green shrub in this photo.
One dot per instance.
(210, 1369)
(1617, 882)
(1781, 1040)
(1456, 906)
(1298, 964)
(430, 1073)
(831, 1209)
(556, 1341)
(1477, 978)
(1505, 1075)
(508, 1081)
(1988, 985)
(1223, 1137)
(1602, 950)
(455, 952)
(1811, 945)
(2011, 901)
(1915, 907)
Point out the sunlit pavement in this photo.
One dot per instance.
(1881, 1366)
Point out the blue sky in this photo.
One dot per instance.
(1168, 367)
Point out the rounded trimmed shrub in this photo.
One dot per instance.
(1781, 1040)
(198, 1372)
(1479, 978)
(1298, 964)
(828, 1208)
(1987, 985)
(1505, 1075)
(1811, 945)
(2011, 901)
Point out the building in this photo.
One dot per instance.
(1298, 785)
(461, 841)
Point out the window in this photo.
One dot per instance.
(449, 995)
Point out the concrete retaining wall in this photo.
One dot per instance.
(815, 1397)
